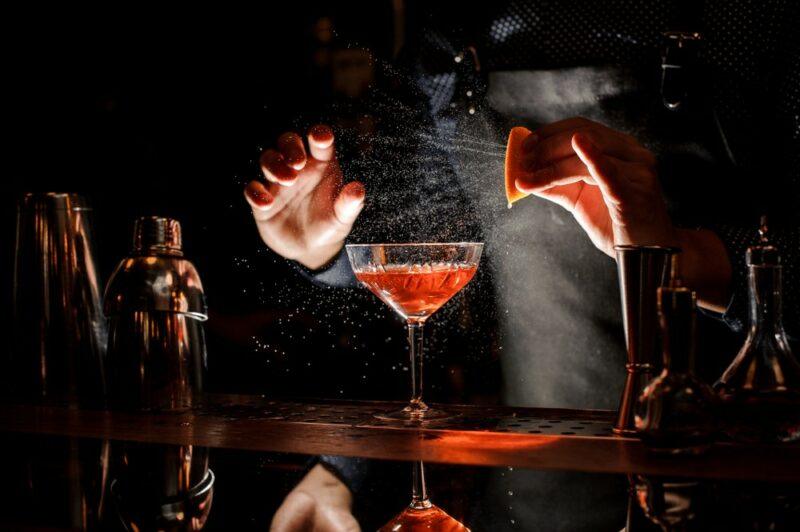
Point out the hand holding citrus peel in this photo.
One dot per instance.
(609, 182)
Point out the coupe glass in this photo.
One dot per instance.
(415, 280)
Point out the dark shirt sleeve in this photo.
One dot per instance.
(336, 273)
(737, 239)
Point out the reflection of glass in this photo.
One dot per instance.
(415, 280)
(674, 504)
(421, 515)
(760, 390)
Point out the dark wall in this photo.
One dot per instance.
(153, 110)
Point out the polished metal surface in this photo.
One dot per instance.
(157, 235)
(156, 306)
(156, 277)
(59, 332)
(158, 487)
(642, 270)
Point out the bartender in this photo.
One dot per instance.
(642, 166)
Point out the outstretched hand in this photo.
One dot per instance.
(302, 209)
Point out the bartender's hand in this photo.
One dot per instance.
(608, 181)
(605, 178)
(302, 210)
(319, 503)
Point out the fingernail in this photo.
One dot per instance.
(358, 191)
(321, 134)
(530, 142)
(522, 186)
(295, 159)
(262, 200)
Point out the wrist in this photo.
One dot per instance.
(321, 256)
(705, 267)
(326, 488)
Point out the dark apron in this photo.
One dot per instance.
(557, 295)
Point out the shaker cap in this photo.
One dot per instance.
(156, 277)
(156, 235)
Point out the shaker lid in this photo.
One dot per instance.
(156, 277)
(157, 235)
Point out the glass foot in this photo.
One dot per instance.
(415, 414)
(427, 519)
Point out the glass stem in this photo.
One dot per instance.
(415, 343)
(419, 493)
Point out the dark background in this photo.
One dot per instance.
(164, 111)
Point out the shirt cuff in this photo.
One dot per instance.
(350, 471)
(736, 241)
(337, 272)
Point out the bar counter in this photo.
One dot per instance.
(557, 439)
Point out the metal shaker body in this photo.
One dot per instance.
(155, 305)
(59, 331)
(157, 362)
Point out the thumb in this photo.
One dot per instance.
(349, 202)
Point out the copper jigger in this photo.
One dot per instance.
(642, 269)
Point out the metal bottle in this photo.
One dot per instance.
(156, 309)
(59, 333)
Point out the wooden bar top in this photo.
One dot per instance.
(491, 436)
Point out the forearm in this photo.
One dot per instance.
(706, 268)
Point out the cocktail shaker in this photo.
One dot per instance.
(58, 332)
(642, 270)
(156, 309)
(157, 361)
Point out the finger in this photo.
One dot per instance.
(339, 519)
(295, 514)
(565, 196)
(603, 169)
(320, 142)
(559, 146)
(275, 168)
(562, 172)
(349, 202)
(290, 145)
(258, 196)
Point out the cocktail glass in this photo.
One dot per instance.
(422, 515)
(415, 280)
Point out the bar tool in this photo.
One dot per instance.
(642, 270)
(156, 308)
